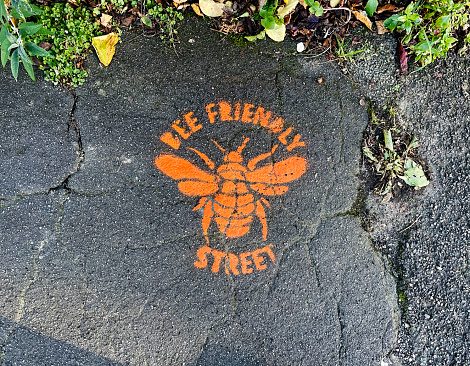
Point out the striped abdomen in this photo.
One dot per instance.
(234, 205)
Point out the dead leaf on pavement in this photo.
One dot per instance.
(197, 10)
(105, 19)
(361, 15)
(45, 45)
(388, 7)
(211, 8)
(403, 57)
(127, 21)
(104, 47)
(278, 33)
(287, 9)
(380, 27)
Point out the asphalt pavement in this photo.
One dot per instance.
(200, 209)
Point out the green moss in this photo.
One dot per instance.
(238, 40)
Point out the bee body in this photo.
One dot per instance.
(228, 194)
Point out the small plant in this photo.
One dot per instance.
(167, 18)
(315, 7)
(431, 27)
(391, 159)
(343, 53)
(73, 30)
(271, 21)
(14, 33)
(152, 12)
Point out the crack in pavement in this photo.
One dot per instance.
(63, 184)
(22, 299)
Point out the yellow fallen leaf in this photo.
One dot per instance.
(105, 19)
(104, 47)
(211, 8)
(197, 10)
(361, 15)
(278, 33)
(334, 3)
(285, 10)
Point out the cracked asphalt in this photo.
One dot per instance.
(104, 259)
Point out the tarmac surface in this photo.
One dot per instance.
(199, 209)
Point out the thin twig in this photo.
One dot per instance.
(342, 8)
(414, 222)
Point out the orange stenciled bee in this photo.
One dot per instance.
(228, 193)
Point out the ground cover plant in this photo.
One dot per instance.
(57, 36)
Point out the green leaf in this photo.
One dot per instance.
(269, 22)
(45, 31)
(260, 35)
(5, 45)
(23, 8)
(28, 28)
(36, 50)
(391, 22)
(146, 21)
(11, 37)
(443, 21)
(408, 26)
(388, 140)
(414, 175)
(27, 65)
(371, 7)
(3, 34)
(316, 8)
(369, 154)
(3, 12)
(24, 56)
(15, 63)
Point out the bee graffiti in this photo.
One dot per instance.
(228, 191)
(234, 192)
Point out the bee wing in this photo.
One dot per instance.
(194, 182)
(268, 179)
(283, 171)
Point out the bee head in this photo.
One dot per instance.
(236, 156)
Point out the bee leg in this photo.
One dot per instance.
(206, 218)
(201, 203)
(262, 217)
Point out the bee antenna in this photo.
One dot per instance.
(242, 146)
(216, 144)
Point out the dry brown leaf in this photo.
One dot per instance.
(386, 7)
(303, 3)
(105, 19)
(45, 45)
(361, 15)
(104, 47)
(380, 27)
(197, 10)
(179, 1)
(127, 21)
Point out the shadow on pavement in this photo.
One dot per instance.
(25, 347)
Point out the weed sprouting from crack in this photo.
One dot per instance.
(391, 154)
